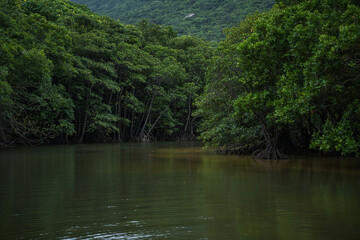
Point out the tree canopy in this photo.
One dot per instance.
(283, 81)
(70, 75)
(287, 79)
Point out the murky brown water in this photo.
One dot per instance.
(173, 191)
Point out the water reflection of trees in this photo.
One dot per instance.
(270, 165)
(217, 197)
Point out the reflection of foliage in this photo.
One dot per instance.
(200, 18)
(206, 197)
(271, 165)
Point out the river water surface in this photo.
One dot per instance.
(174, 191)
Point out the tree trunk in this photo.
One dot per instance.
(148, 133)
(143, 137)
(189, 115)
(81, 140)
(118, 112)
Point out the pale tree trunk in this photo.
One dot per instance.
(189, 115)
(143, 136)
(162, 113)
(81, 140)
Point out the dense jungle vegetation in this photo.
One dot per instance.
(287, 79)
(282, 81)
(202, 18)
(69, 75)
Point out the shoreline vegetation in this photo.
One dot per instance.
(283, 81)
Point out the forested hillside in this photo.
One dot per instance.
(203, 18)
(69, 75)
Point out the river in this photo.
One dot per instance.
(174, 191)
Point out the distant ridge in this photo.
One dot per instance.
(203, 18)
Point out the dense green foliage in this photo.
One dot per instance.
(67, 74)
(283, 80)
(287, 79)
(203, 18)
